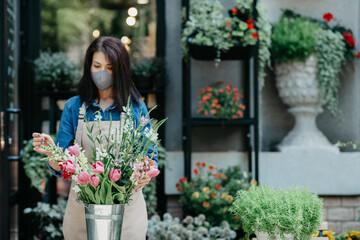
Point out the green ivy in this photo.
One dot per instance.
(35, 169)
(276, 211)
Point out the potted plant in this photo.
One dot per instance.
(53, 72)
(276, 213)
(209, 35)
(149, 74)
(220, 103)
(308, 55)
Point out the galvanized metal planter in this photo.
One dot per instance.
(104, 222)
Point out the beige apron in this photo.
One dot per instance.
(135, 220)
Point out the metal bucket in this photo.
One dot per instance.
(104, 222)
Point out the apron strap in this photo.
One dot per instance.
(82, 113)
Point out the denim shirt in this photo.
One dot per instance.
(69, 122)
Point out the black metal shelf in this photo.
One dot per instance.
(203, 122)
(251, 100)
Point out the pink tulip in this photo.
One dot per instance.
(83, 178)
(115, 174)
(74, 150)
(94, 180)
(153, 172)
(69, 166)
(98, 167)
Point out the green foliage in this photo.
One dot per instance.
(35, 169)
(291, 211)
(293, 39)
(351, 235)
(196, 228)
(296, 38)
(153, 68)
(48, 219)
(211, 193)
(54, 72)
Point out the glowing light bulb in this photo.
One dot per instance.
(132, 12)
(130, 21)
(125, 40)
(142, 1)
(96, 33)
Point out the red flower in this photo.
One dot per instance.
(234, 116)
(250, 26)
(348, 37)
(240, 113)
(179, 189)
(183, 179)
(192, 184)
(234, 11)
(203, 164)
(241, 96)
(328, 17)
(213, 111)
(255, 35)
(215, 100)
(228, 91)
(221, 90)
(66, 175)
(196, 171)
(234, 99)
(229, 86)
(198, 164)
(228, 23)
(213, 195)
(218, 106)
(236, 218)
(206, 204)
(211, 167)
(204, 99)
(208, 89)
(218, 186)
(242, 106)
(206, 112)
(358, 54)
(249, 21)
(230, 35)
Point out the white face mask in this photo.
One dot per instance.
(102, 79)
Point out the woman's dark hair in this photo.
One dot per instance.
(123, 86)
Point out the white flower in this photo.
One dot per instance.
(76, 189)
(98, 116)
(74, 177)
(81, 111)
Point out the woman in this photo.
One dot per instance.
(105, 87)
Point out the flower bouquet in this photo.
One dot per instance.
(120, 159)
(220, 103)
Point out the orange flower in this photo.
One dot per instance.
(196, 171)
(218, 186)
(209, 95)
(249, 21)
(236, 91)
(208, 89)
(250, 26)
(234, 11)
(213, 111)
(203, 164)
(234, 99)
(221, 90)
(228, 23)
(204, 99)
(242, 106)
(218, 106)
(229, 86)
(253, 182)
(198, 164)
(183, 179)
(215, 100)
(223, 176)
(206, 204)
(228, 91)
(206, 112)
(179, 189)
(240, 113)
(216, 175)
(213, 195)
(234, 116)
(211, 167)
(192, 184)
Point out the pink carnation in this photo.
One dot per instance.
(153, 172)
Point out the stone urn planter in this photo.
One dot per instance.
(298, 88)
(265, 236)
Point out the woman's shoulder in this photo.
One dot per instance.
(73, 103)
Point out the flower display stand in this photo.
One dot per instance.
(298, 88)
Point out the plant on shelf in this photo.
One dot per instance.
(149, 191)
(278, 211)
(325, 233)
(220, 103)
(211, 192)
(48, 219)
(297, 38)
(189, 228)
(207, 26)
(35, 169)
(53, 72)
(351, 235)
(149, 73)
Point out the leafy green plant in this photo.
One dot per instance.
(35, 169)
(278, 211)
(153, 69)
(296, 38)
(48, 219)
(351, 235)
(196, 228)
(211, 192)
(149, 191)
(53, 71)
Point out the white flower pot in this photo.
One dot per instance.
(298, 88)
(265, 236)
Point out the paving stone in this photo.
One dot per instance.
(341, 213)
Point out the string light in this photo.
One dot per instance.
(130, 21)
(132, 12)
(96, 33)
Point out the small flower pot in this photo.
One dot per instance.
(236, 52)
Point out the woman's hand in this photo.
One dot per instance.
(142, 183)
(42, 139)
